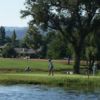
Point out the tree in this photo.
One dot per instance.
(22, 43)
(91, 50)
(98, 45)
(2, 35)
(8, 39)
(47, 39)
(72, 18)
(33, 39)
(13, 38)
(50, 36)
(56, 47)
(8, 51)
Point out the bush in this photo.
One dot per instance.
(8, 51)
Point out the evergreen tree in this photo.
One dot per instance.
(13, 38)
(33, 38)
(2, 35)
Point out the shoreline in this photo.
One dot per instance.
(59, 80)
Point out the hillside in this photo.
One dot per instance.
(20, 31)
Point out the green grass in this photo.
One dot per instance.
(36, 65)
(70, 81)
(12, 72)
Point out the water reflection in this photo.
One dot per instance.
(32, 92)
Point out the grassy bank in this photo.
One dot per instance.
(76, 81)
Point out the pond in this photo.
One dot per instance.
(38, 92)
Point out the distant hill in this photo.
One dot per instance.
(20, 31)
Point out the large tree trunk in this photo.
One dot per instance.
(78, 48)
(77, 63)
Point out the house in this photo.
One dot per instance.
(23, 52)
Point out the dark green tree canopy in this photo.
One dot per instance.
(70, 17)
(13, 38)
(58, 14)
(33, 38)
(2, 35)
(57, 47)
(8, 51)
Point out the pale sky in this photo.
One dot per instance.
(10, 13)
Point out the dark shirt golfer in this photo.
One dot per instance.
(51, 67)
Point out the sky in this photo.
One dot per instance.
(10, 13)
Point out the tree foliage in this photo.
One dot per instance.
(56, 47)
(2, 35)
(13, 38)
(33, 38)
(8, 51)
(74, 19)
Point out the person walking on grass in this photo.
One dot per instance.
(94, 68)
(51, 67)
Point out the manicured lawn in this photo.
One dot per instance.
(35, 64)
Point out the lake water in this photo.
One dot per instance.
(37, 92)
